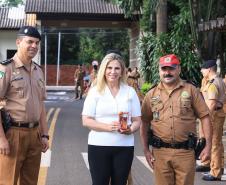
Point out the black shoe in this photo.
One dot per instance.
(210, 178)
(202, 168)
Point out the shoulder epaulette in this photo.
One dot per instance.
(152, 87)
(37, 64)
(5, 62)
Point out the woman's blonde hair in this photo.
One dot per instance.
(100, 82)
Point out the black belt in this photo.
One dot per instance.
(218, 108)
(24, 125)
(158, 143)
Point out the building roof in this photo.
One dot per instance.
(15, 17)
(72, 7)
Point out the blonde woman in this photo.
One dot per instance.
(111, 147)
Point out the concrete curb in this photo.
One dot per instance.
(60, 88)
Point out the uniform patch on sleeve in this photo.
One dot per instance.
(212, 89)
(2, 74)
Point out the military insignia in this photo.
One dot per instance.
(41, 83)
(2, 74)
(167, 60)
(156, 115)
(155, 100)
(185, 94)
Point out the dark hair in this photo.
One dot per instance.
(114, 51)
(95, 67)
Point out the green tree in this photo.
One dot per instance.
(12, 2)
(86, 45)
(95, 43)
(171, 26)
(169, 21)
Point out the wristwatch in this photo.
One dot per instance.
(45, 136)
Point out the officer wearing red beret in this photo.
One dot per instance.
(23, 90)
(170, 110)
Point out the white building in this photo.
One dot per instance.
(12, 18)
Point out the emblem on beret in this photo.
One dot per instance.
(185, 94)
(2, 74)
(167, 60)
(26, 30)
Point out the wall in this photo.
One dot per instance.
(8, 41)
(66, 75)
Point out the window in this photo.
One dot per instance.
(10, 53)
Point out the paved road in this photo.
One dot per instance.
(68, 140)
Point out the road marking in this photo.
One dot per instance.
(143, 160)
(43, 170)
(49, 114)
(85, 158)
(52, 126)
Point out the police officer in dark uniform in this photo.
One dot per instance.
(23, 90)
(170, 109)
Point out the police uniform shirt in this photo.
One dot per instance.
(79, 74)
(24, 91)
(215, 90)
(173, 115)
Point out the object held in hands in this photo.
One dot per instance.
(123, 117)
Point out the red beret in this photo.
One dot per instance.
(170, 60)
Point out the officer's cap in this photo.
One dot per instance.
(170, 60)
(116, 51)
(29, 31)
(208, 64)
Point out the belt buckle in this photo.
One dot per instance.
(31, 125)
(173, 145)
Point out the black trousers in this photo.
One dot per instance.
(110, 162)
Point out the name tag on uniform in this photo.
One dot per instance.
(156, 115)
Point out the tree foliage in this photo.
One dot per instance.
(151, 47)
(182, 37)
(86, 45)
(94, 45)
(12, 2)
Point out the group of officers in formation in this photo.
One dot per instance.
(169, 111)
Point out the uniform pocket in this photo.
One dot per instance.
(157, 111)
(18, 86)
(185, 106)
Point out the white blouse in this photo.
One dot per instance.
(105, 108)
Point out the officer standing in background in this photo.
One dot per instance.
(170, 109)
(22, 86)
(214, 95)
(79, 83)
